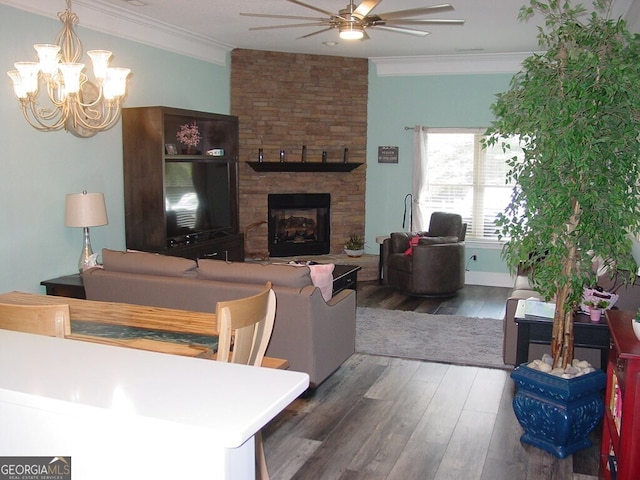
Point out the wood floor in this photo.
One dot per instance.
(395, 419)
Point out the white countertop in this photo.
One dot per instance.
(230, 402)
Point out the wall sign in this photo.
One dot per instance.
(387, 154)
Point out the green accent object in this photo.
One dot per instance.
(576, 110)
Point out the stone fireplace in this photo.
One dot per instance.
(285, 101)
(299, 224)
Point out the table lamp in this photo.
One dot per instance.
(85, 210)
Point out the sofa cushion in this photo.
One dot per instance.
(254, 273)
(146, 263)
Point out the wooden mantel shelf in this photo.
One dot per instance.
(303, 166)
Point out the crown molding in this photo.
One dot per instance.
(110, 19)
(463, 64)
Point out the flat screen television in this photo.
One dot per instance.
(198, 200)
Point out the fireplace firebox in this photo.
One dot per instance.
(299, 224)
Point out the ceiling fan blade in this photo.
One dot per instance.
(415, 12)
(315, 33)
(289, 17)
(302, 4)
(408, 31)
(365, 7)
(274, 27)
(434, 21)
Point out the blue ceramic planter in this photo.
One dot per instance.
(558, 414)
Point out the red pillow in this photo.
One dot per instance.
(412, 243)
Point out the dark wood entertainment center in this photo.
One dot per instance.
(179, 203)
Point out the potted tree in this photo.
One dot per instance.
(576, 112)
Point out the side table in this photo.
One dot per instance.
(68, 286)
(345, 276)
(538, 330)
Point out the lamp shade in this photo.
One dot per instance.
(85, 210)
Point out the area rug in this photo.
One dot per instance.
(435, 338)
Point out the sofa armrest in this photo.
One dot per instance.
(510, 328)
(315, 336)
(340, 296)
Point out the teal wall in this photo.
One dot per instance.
(38, 169)
(434, 101)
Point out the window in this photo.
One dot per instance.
(463, 177)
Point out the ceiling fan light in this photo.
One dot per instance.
(351, 32)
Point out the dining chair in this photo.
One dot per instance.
(51, 320)
(247, 324)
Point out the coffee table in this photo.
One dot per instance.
(345, 276)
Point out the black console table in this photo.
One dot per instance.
(538, 330)
(70, 286)
(345, 276)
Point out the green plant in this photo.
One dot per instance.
(355, 242)
(576, 112)
(600, 304)
(637, 317)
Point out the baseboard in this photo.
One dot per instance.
(489, 279)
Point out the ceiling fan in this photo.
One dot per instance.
(352, 22)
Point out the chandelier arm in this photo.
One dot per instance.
(93, 119)
(68, 39)
(53, 92)
(89, 105)
(35, 116)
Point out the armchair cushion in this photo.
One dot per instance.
(444, 224)
(146, 263)
(437, 240)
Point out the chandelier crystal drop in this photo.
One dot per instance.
(72, 101)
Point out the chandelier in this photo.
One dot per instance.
(72, 102)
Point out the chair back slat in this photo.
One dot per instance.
(51, 320)
(248, 324)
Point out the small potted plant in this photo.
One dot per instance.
(595, 308)
(189, 136)
(354, 246)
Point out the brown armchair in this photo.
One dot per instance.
(436, 264)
